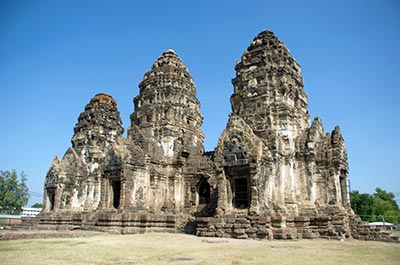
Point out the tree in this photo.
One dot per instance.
(377, 207)
(363, 205)
(13, 192)
(37, 205)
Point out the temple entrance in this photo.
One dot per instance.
(204, 192)
(239, 179)
(51, 194)
(241, 191)
(116, 193)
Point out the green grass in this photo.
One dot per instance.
(155, 248)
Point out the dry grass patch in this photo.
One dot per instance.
(155, 248)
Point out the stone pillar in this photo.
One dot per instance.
(57, 196)
(103, 195)
(344, 190)
(254, 205)
(223, 185)
(122, 194)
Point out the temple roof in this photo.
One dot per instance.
(168, 71)
(104, 99)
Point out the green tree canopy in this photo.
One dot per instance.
(37, 205)
(376, 207)
(13, 192)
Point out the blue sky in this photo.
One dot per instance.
(56, 55)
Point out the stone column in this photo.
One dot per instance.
(103, 195)
(57, 196)
(122, 194)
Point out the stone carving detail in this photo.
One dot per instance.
(99, 125)
(167, 110)
(272, 174)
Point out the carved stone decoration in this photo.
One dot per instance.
(272, 174)
(99, 125)
(167, 110)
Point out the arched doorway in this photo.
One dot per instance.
(51, 194)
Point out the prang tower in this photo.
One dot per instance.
(273, 161)
(167, 110)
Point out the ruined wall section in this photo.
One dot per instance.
(323, 169)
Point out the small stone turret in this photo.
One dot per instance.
(99, 125)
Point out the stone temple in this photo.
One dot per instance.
(272, 175)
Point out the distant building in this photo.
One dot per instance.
(30, 212)
(386, 225)
(12, 220)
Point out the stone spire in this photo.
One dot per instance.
(268, 88)
(99, 124)
(167, 110)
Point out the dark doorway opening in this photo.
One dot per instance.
(204, 192)
(51, 194)
(241, 199)
(116, 188)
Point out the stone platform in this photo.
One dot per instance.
(122, 222)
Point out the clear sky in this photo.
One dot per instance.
(56, 55)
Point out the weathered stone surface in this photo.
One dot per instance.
(161, 168)
(167, 110)
(272, 175)
(99, 125)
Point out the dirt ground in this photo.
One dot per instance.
(84, 247)
(28, 234)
